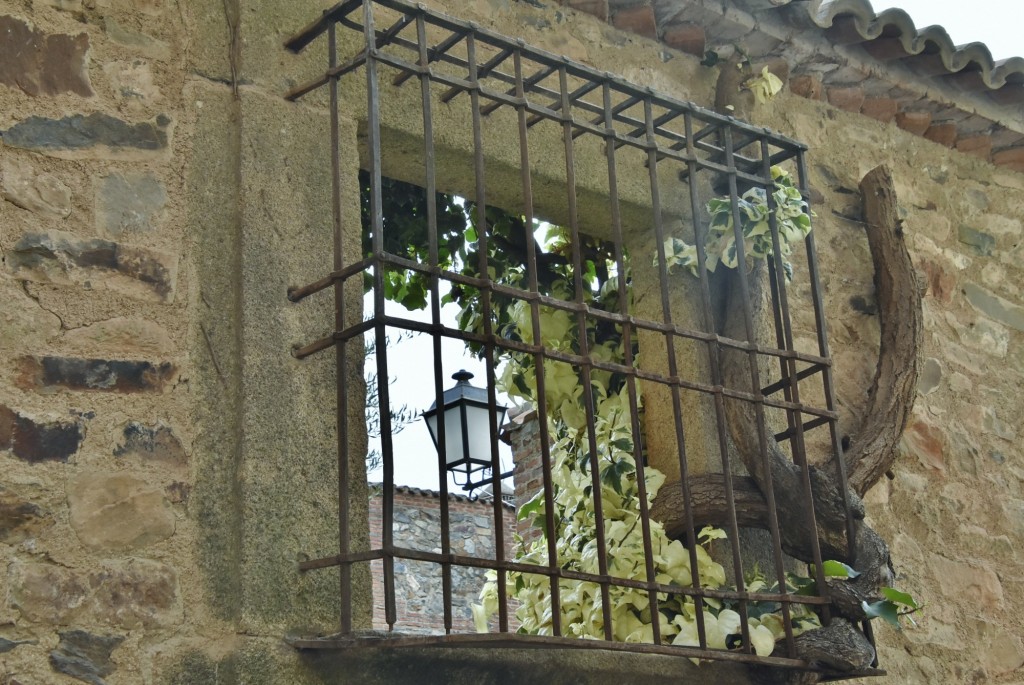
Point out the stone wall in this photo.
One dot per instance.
(166, 462)
(419, 600)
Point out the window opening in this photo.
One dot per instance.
(621, 173)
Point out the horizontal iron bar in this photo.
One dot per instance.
(789, 432)
(784, 383)
(298, 293)
(574, 69)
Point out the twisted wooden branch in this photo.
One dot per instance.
(872, 453)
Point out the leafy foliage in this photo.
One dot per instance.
(791, 217)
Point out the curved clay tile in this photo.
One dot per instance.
(854, 21)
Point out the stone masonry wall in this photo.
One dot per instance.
(419, 601)
(96, 435)
(165, 462)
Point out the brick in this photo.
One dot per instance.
(976, 146)
(806, 86)
(38, 441)
(943, 134)
(1012, 158)
(688, 38)
(93, 375)
(43, 64)
(639, 20)
(598, 8)
(914, 122)
(849, 98)
(882, 109)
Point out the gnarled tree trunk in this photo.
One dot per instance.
(838, 646)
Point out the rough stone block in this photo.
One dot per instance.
(689, 38)
(967, 579)
(982, 242)
(47, 593)
(806, 86)
(58, 257)
(914, 122)
(121, 335)
(23, 323)
(20, 518)
(599, 8)
(133, 82)
(129, 203)
(940, 279)
(925, 441)
(43, 64)
(94, 133)
(38, 441)
(995, 307)
(85, 656)
(144, 44)
(131, 593)
(104, 375)
(42, 193)
(931, 376)
(137, 593)
(118, 511)
(151, 443)
(639, 20)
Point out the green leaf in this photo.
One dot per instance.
(882, 609)
(902, 598)
(837, 569)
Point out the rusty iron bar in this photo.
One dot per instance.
(341, 356)
(430, 191)
(827, 383)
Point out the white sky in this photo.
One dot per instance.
(992, 22)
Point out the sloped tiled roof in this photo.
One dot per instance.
(842, 51)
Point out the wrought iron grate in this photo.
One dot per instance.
(622, 168)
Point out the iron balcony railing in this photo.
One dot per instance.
(557, 117)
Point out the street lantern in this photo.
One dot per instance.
(467, 434)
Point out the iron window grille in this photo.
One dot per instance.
(388, 46)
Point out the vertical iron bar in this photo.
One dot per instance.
(435, 317)
(380, 339)
(527, 209)
(794, 417)
(550, 525)
(673, 370)
(714, 352)
(341, 356)
(627, 347)
(827, 382)
(485, 297)
(584, 351)
(783, 340)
